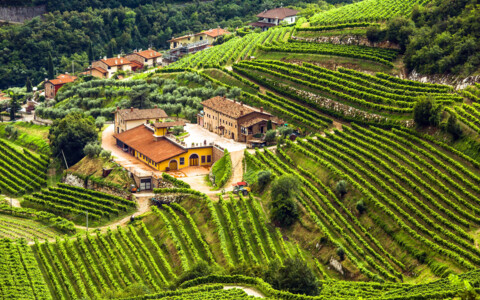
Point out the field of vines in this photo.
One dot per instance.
(154, 255)
(366, 11)
(17, 228)
(232, 51)
(467, 114)
(21, 170)
(380, 55)
(20, 277)
(426, 190)
(345, 93)
(74, 202)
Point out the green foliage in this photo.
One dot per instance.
(28, 85)
(270, 136)
(294, 276)
(50, 67)
(341, 188)
(284, 210)
(341, 253)
(92, 149)
(361, 207)
(222, 169)
(453, 127)
(70, 135)
(99, 122)
(264, 178)
(426, 112)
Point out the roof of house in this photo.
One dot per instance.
(115, 61)
(62, 79)
(229, 107)
(253, 121)
(131, 114)
(141, 139)
(278, 13)
(101, 70)
(180, 38)
(214, 32)
(148, 53)
(168, 124)
(261, 24)
(136, 64)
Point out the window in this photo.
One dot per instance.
(146, 60)
(145, 184)
(203, 159)
(209, 158)
(182, 161)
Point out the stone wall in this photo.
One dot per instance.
(217, 153)
(21, 14)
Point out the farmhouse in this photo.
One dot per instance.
(112, 65)
(154, 145)
(126, 119)
(148, 58)
(273, 17)
(96, 72)
(52, 86)
(234, 120)
(206, 37)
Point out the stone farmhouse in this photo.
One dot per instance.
(273, 17)
(234, 120)
(126, 119)
(148, 58)
(52, 86)
(112, 65)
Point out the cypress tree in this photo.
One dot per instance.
(28, 85)
(110, 50)
(51, 72)
(91, 56)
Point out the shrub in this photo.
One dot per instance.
(453, 127)
(264, 178)
(99, 122)
(426, 112)
(270, 136)
(284, 210)
(285, 131)
(341, 253)
(341, 188)
(361, 207)
(106, 154)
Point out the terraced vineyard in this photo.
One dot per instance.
(429, 191)
(21, 170)
(381, 98)
(467, 114)
(367, 11)
(231, 51)
(383, 56)
(20, 277)
(17, 228)
(74, 202)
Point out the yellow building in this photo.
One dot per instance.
(207, 37)
(153, 145)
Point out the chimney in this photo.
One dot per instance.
(234, 101)
(261, 109)
(241, 112)
(116, 62)
(131, 109)
(224, 97)
(118, 56)
(121, 61)
(149, 48)
(105, 58)
(156, 106)
(118, 108)
(241, 103)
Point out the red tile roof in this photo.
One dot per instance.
(115, 61)
(141, 139)
(180, 38)
(62, 79)
(136, 64)
(149, 54)
(130, 114)
(278, 13)
(253, 121)
(214, 32)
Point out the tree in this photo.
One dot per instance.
(264, 178)
(284, 210)
(341, 253)
(269, 125)
(28, 85)
(270, 136)
(69, 136)
(294, 276)
(99, 122)
(285, 131)
(453, 127)
(341, 188)
(361, 207)
(92, 149)
(110, 50)
(91, 55)
(51, 70)
(14, 106)
(426, 112)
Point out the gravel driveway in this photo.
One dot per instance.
(199, 135)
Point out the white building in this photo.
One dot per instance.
(273, 17)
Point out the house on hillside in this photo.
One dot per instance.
(232, 119)
(52, 86)
(273, 17)
(147, 58)
(112, 65)
(126, 119)
(95, 72)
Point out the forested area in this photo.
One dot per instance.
(66, 35)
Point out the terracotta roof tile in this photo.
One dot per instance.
(168, 124)
(253, 121)
(115, 61)
(140, 114)
(278, 13)
(136, 64)
(229, 107)
(261, 24)
(149, 54)
(214, 32)
(62, 79)
(141, 139)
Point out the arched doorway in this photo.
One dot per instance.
(194, 160)
(173, 165)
